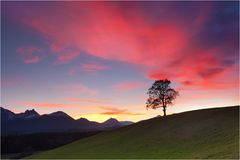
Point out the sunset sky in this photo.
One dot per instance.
(97, 59)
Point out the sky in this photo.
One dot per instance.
(97, 59)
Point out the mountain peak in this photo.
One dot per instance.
(6, 114)
(31, 112)
(59, 113)
(111, 121)
(83, 119)
(115, 122)
(28, 114)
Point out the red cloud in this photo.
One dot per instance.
(155, 75)
(106, 33)
(210, 72)
(29, 54)
(187, 82)
(124, 87)
(166, 43)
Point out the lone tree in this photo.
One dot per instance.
(161, 95)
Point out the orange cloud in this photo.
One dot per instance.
(116, 111)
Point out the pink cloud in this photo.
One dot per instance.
(87, 100)
(124, 87)
(76, 89)
(88, 67)
(173, 46)
(105, 33)
(66, 56)
(93, 67)
(47, 105)
(30, 54)
(216, 81)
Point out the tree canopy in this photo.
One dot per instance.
(161, 95)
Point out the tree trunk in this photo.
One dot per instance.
(164, 111)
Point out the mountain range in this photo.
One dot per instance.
(32, 122)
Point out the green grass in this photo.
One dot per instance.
(210, 133)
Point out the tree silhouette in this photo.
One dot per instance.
(161, 95)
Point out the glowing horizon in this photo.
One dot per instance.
(97, 59)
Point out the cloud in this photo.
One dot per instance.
(42, 105)
(124, 87)
(187, 82)
(49, 105)
(87, 67)
(66, 56)
(76, 89)
(181, 41)
(93, 67)
(79, 100)
(116, 111)
(210, 72)
(155, 75)
(224, 80)
(30, 54)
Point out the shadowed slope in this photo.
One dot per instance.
(209, 133)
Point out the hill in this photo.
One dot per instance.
(208, 133)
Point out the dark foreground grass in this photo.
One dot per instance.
(210, 133)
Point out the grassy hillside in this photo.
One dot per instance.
(209, 133)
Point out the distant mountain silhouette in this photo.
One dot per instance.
(125, 123)
(9, 115)
(28, 114)
(112, 123)
(6, 114)
(59, 114)
(31, 122)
